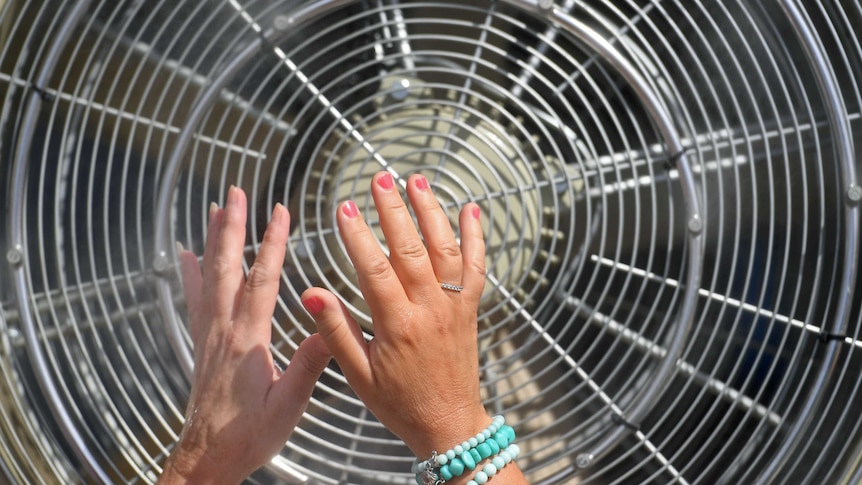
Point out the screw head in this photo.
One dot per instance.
(854, 193)
(695, 224)
(584, 460)
(546, 4)
(160, 264)
(401, 90)
(282, 22)
(14, 256)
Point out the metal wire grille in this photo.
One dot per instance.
(669, 192)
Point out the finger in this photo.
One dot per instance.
(291, 392)
(261, 283)
(377, 280)
(224, 273)
(216, 214)
(190, 270)
(443, 250)
(342, 335)
(407, 253)
(473, 253)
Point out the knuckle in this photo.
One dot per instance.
(221, 267)
(412, 250)
(448, 249)
(307, 365)
(258, 277)
(377, 268)
(478, 266)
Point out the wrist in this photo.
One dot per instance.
(189, 464)
(447, 431)
(473, 461)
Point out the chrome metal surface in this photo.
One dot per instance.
(670, 193)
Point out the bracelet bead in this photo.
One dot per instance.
(492, 442)
(446, 472)
(468, 460)
(456, 467)
(497, 463)
(495, 447)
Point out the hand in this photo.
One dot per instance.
(242, 409)
(419, 375)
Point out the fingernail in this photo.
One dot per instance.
(213, 209)
(232, 195)
(385, 181)
(277, 212)
(349, 209)
(180, 248)
(477, 213)
(313, 304)
(421, 183)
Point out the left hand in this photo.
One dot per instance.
(242, 409)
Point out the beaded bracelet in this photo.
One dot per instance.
(444, 466)
(497, 463)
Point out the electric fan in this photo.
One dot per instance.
(669, 194)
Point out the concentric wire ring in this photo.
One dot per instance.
(668, 190)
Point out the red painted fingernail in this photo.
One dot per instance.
(385, 181)
(349, 209)
(421, 183)
(476, 212)
(313, 304)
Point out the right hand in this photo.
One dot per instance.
(419, 375)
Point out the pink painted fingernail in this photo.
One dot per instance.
(385, 181)
(349, 209)
(421, 183)
(477, 213)
(313, 304)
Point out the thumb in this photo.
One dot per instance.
(341, 333)
(293, 389)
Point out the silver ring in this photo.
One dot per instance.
(451, 287)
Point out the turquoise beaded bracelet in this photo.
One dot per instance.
(487, 443)
(497, 463)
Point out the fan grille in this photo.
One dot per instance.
(668, 193)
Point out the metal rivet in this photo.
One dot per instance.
(401, 90)
(546, 4)
(282, 22)
(584, 460)
(854, 193)
(695, 224)
(14, 256)
(160, 264)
